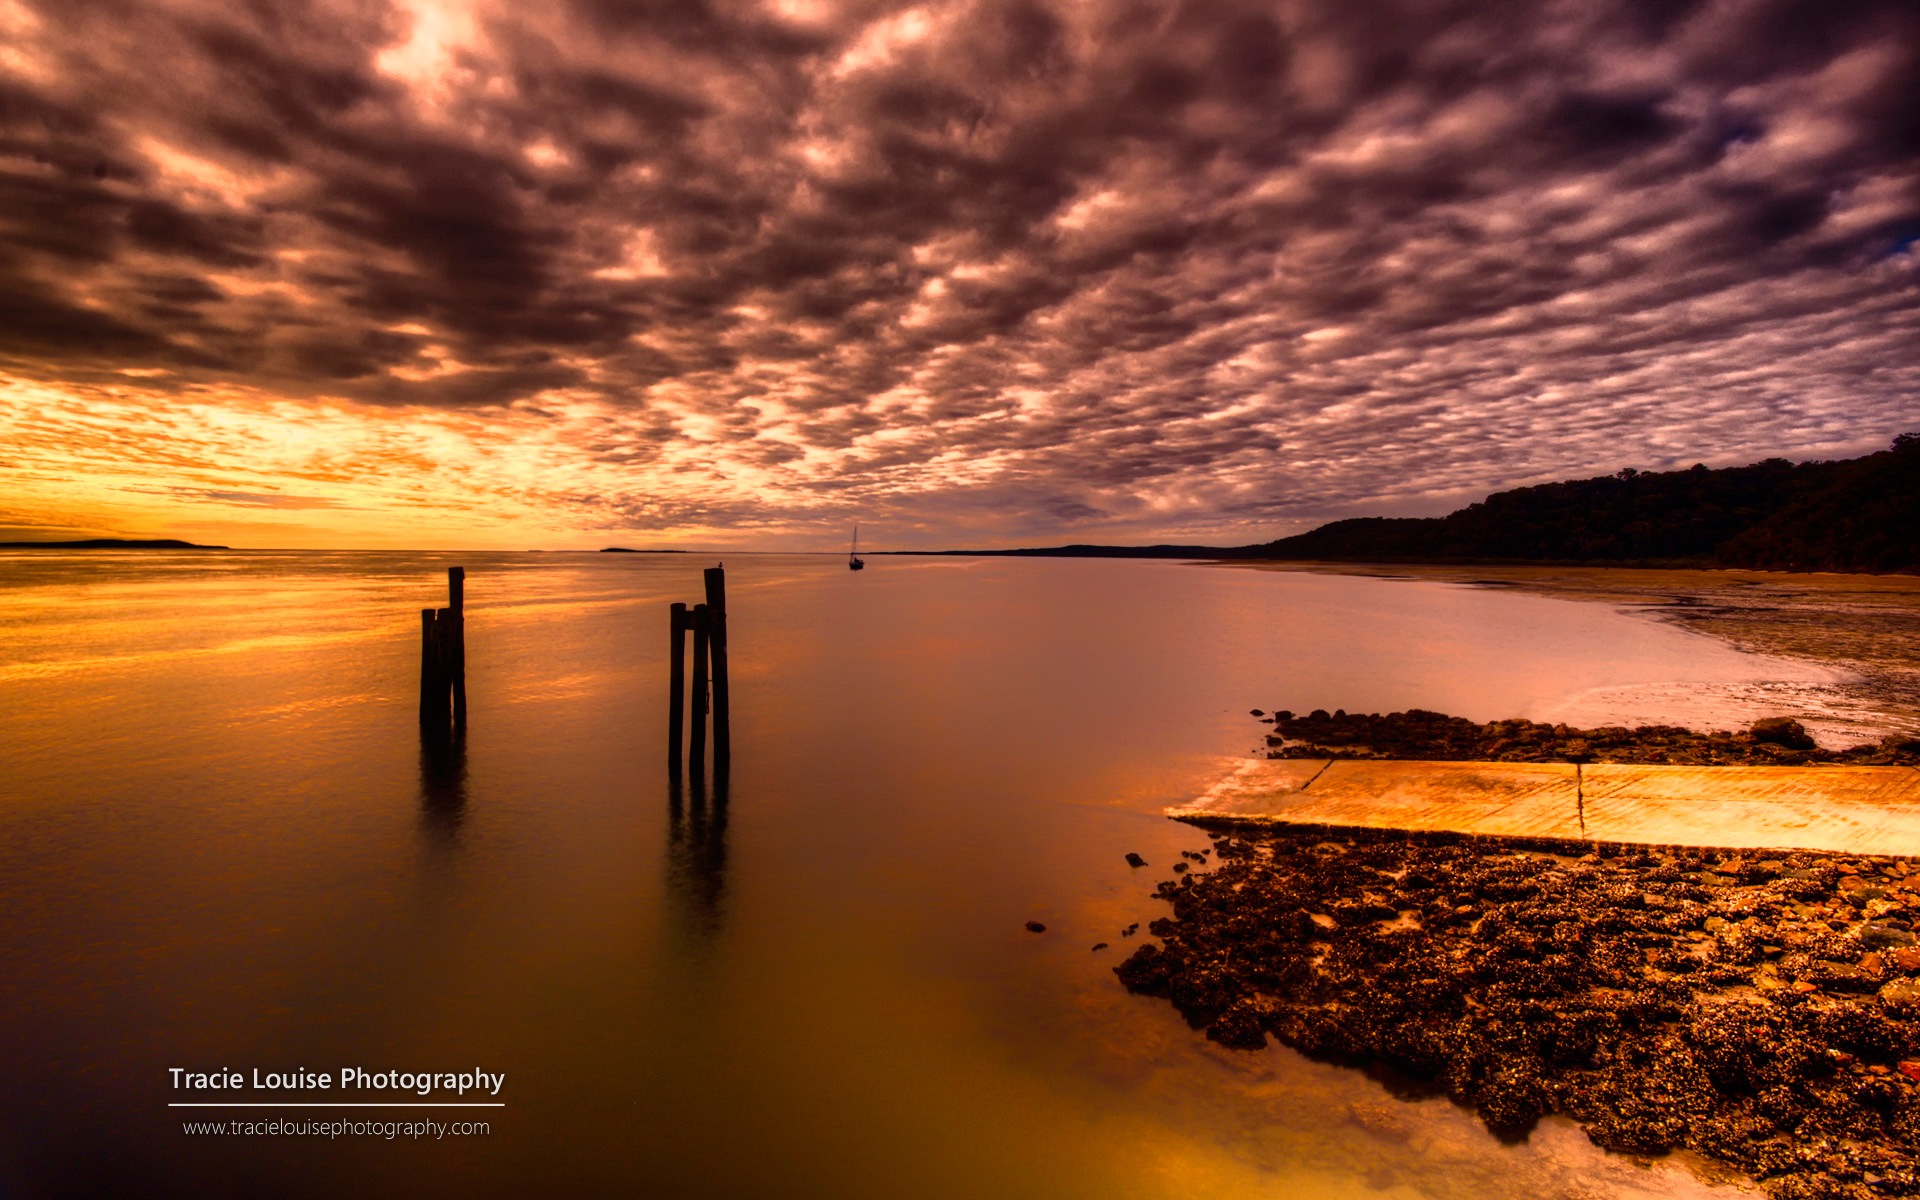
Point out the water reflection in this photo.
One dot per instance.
(697, 859)
(939, 751)
(443, 784)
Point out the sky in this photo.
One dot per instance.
(732, 273)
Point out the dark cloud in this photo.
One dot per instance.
(256, 499)
(1208, 266)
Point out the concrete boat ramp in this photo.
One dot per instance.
(1859, 810)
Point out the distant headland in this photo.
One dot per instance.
(112, 544)
(626, 550)
(1855, 515)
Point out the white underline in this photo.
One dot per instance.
(332, 1104)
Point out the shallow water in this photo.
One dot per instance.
(222, 845)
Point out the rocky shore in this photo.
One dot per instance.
(1418, 734)
(1763, 1010)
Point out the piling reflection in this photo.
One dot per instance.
(697, 858)
(443, 783)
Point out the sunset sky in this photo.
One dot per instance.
(737, 274)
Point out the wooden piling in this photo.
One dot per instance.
(697, 749)
(676, 686)
(716, 581)
(708, 622)
(457, 642)
(428, 658)
(443, 637)
(443, 657)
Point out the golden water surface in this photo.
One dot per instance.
(223, 846)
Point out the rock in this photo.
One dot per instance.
(1512, 1099)
(1859, 892)
(1035, 927)
(1134, 860)
(1881, 935)
(1901, 991)
(1384, 1120)
(1099, 945)
(1628, 990)
(1782, 731)
(1240, 1027)
(1845, 977)
(1417, 734)
(1147, 970)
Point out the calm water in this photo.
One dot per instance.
(221, 845)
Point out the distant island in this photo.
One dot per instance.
(625, 550)
(1858, 514)
(112, 544)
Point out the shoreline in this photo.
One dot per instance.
(1865, 625)
(1757, 1008)
(1421, 735)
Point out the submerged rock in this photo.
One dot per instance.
(1035, 927)
(1782, 731)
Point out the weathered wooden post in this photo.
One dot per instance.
(708, 622)
(697, 749)
(716, 580)
(443, 657)
(457, 641)
(442, 667)
(429, 656)
(677, 686)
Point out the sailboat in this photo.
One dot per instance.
(853, 553)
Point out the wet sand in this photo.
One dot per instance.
(1868, 625)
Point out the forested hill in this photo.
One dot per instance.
(1860, 514)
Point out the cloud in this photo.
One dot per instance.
(987, 269)
(257, 499)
